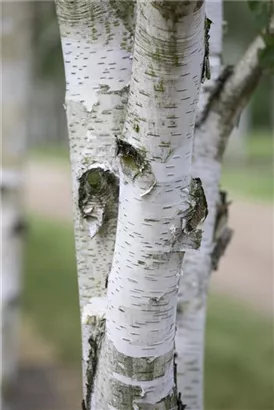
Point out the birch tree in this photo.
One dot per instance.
(15, 41)
(131, 117)
(222, 100)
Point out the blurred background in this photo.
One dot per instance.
(239, 340)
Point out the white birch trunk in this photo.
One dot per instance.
(198, 265)
(133, 330)
(227, 99)
(97, 41)
(15, 40)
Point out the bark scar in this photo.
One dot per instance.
(189, 236)
(98, 196)
(206, 64)
(135, 165)
(132, 159)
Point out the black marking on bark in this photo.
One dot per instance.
(83, 405)
(206, 64)
(95, 342)
(199, 210)
(215, 94)
(222, 233)
(175, 368)
(180, 404)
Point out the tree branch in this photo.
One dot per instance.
(225, 106)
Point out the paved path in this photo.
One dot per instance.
(246, 270)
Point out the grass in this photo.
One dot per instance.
(50, 286)
(239, 349)
(249, 182)
(238, 358)
(59, 152)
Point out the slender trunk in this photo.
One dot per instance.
(198, 265)
(97, 40)
(133, 330)
(16, 39)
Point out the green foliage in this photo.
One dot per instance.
(263, 12)
(267, 54)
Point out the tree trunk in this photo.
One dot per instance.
(197, 265)
(133, 330)
(16, 40)
(225, 102)
(97, 41)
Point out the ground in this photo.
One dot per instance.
(245, 273)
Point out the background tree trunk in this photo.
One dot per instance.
(16, 47)
(197, 265)
(227, 99)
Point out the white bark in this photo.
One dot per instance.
(15, 41)
(220, 114)
(159, 207)
(197, 265)
(96, 41)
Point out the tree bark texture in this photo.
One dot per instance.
(131, 117)
(157, 197)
